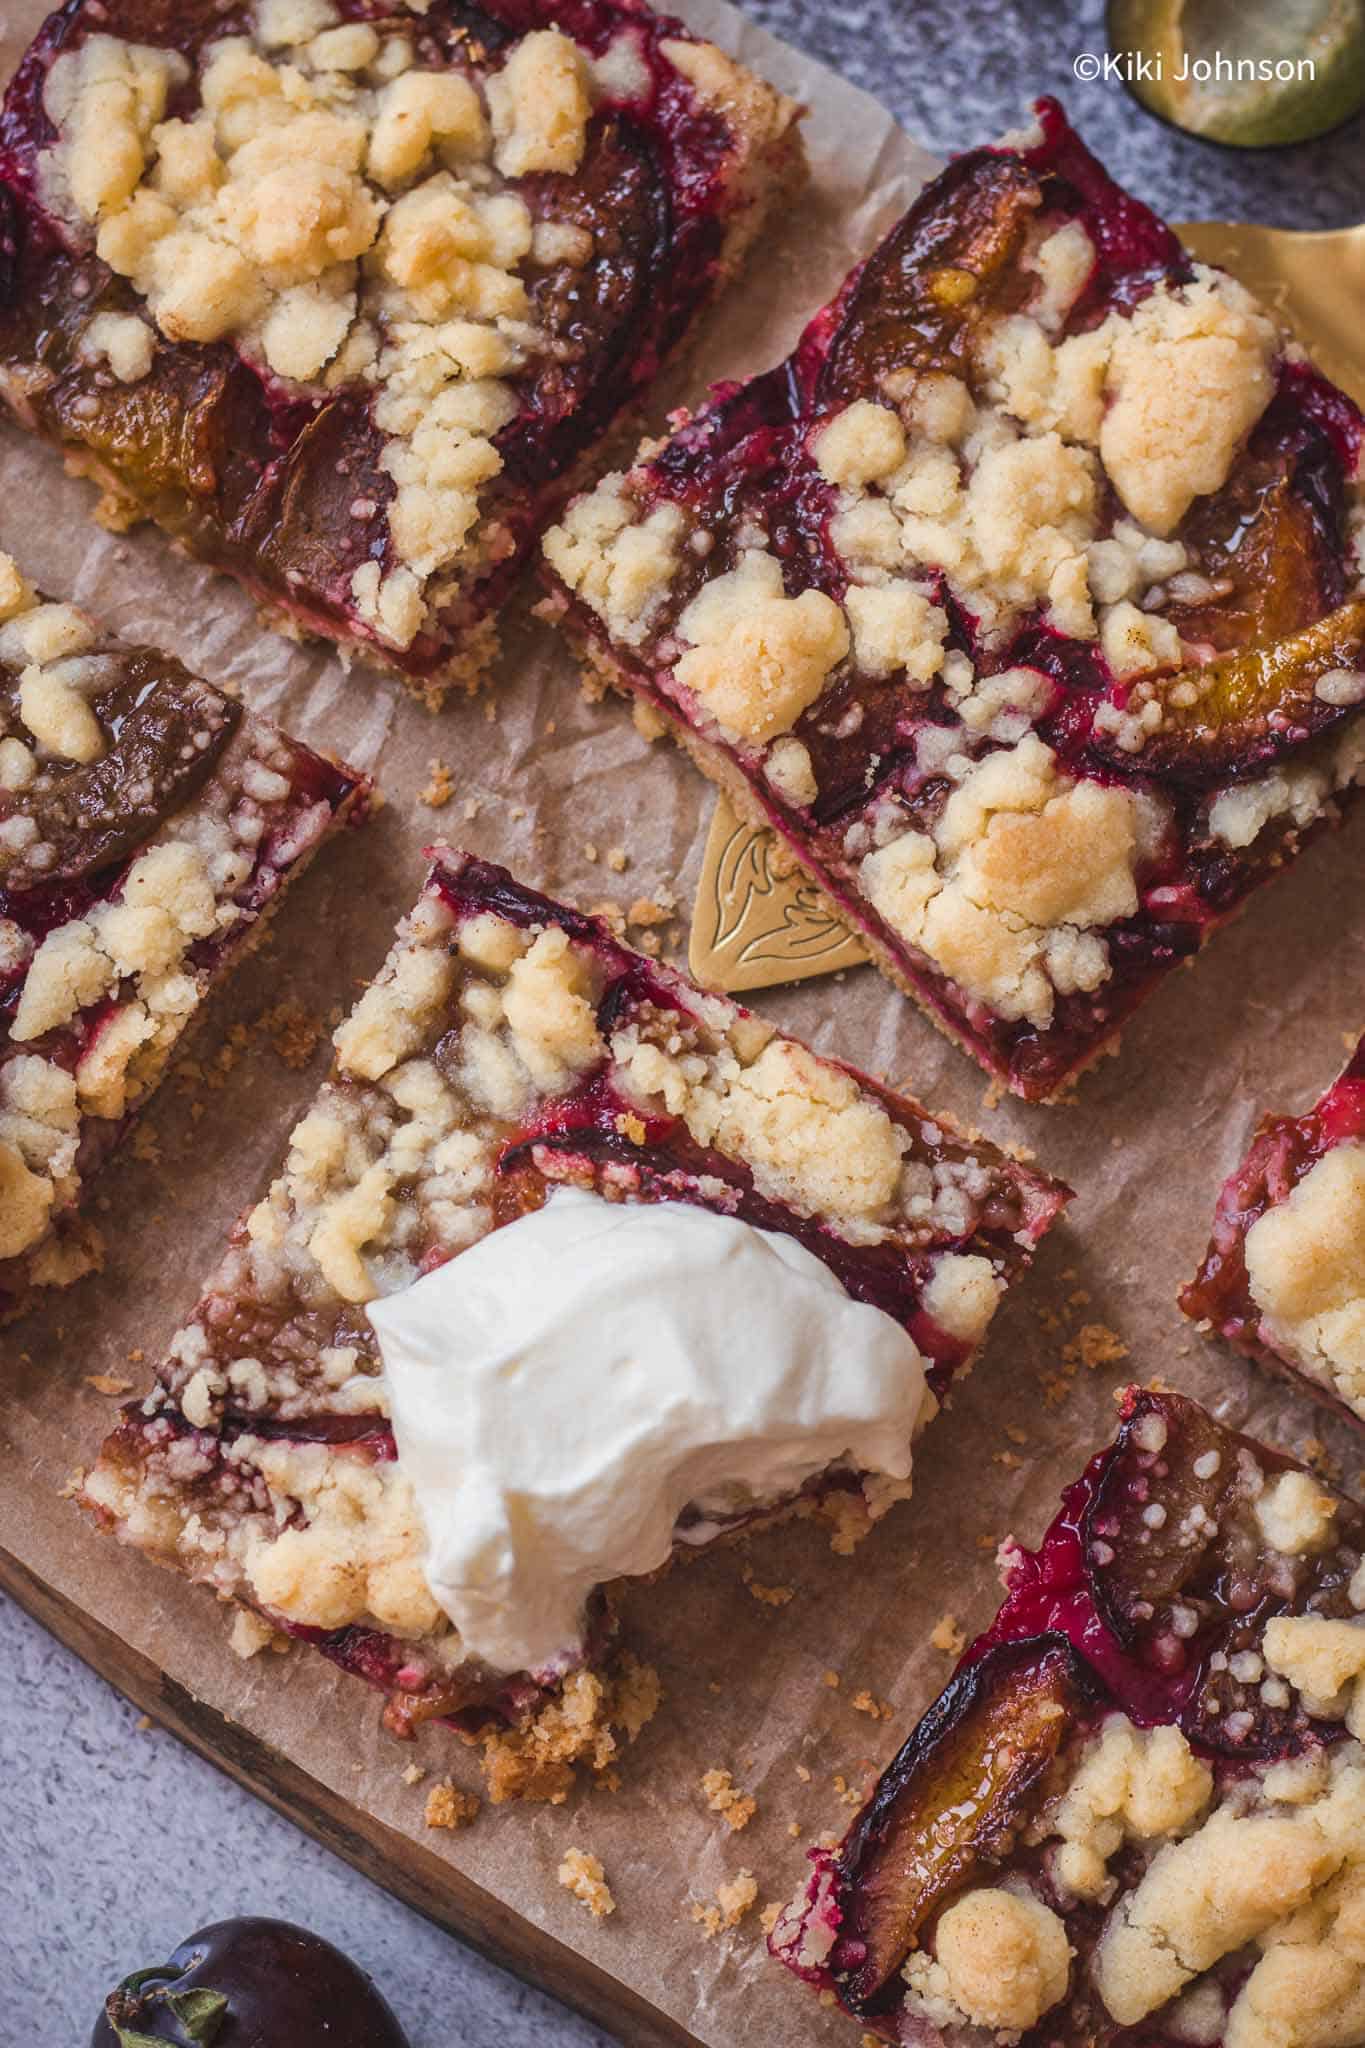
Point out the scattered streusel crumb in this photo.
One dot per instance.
(448, 1807)
(616, 859)
(865, 1703)
(589, 851)
(440, 787)
(946, 1635)
(770, 1596)
(770, 1916)
(144, 1724)
(723, 1797)
(107, 1383)
(832, 1680)
(582, 1874)
(413, 1774)
(580, 1726)
(1097, 1344)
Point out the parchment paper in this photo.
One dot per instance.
(1260, 1022)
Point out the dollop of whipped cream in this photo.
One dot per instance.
(563, 1389)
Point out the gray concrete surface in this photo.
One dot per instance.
(116, 1842)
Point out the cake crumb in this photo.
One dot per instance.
(582, 1725)
(616, 859)
(831, 1679)
(769, 1918)
(448, 1807)
(631, 1127)
(582, 1874)
(413, 1774)
(723, 1797)
(472, 807)
(770, 1596)
(440, 785)
(946, 1635)
(293, 1032)
(734, 1898)
(803, 1774)
(107, 1383)
(864, 1702)
(1097, 1344)
(249, 1635)
(589, 851)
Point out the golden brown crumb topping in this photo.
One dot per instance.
(582, 1874)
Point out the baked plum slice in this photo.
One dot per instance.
(948, 1805)
(1247, 708)
(163, 732)
(916, 302)
(249, 1983)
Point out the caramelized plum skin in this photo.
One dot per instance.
(1086, 1628)
(946, 1809)
(1268, 557)
(279, 1987)
(164, 731)
(260, 479)
(1283, 1150)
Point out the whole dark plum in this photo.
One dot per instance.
(249, 1983)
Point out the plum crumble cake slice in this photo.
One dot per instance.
(1284, 1274)
(1022, 601)
(1137, 1811)
(341, 294)
(513, 1056)
(147, 826)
